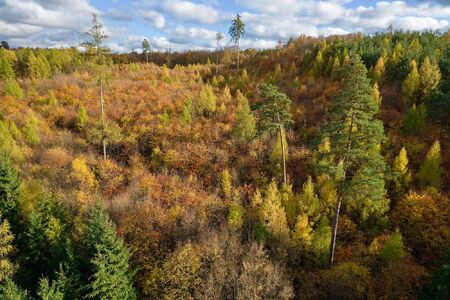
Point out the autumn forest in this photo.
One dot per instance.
(318, 169)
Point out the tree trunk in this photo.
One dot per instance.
(103, 119)
(217, 58)
(146, 55)
(283, 158)
(238, 57)
(334, 227)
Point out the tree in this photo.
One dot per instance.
(262, 279)
(7, 268)
(97, 36)
(355, 136)
(376, 94)
(401, 174)
(430, 171)
(415, 119)
(4, 45)
(393, 248)
(9, 192)
(378, 70)
(10, 291)
(245, 121)
(146, 48)
(236, 32)
(13, 89)
(430, 76)
(206, 103)
(109, 270)
(411, 85)
(82, 118)
(219, 37)
(226, 184)
(6, 66)
(279, 155)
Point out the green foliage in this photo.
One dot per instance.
(9, 192)
(274, 109)
(82, 118)
(320, 242)
(393, 249)
(180, 274)
(110, 275)
(7, 141)
(401, 175)
(226, 184)
(206, 102)
(10, 291)
(415, 119)
(49, 292)
(378, 70)
(186, 116)
(429, 76)
(38, 66)
(430, 171)
(13, 89)
(245, 121)
(235, 216)
(31, 131)
(51, 99)
(7, 268)
(411, 85)
(275, 158)
(439, 288)
(6, 66)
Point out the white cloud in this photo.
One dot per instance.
(189, 11)
(154, 17)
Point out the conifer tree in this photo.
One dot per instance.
(415, 119)
(245, 121)
(411, 85)
(9, 192)
(226, 184)
(6, 66)
(402, 176)
(81, 119)
(10, 291)
(13, 89)
(206, 103)
(236, 32)
(430, 76)
(355, 136)
(51, 99)
(430, 171)
(7, 268)
(275, 108)
(376, 94)
(277, 157)
(336, 67)
(110, 275)
(378, 70)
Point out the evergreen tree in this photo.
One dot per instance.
(13, 89)
(378, 70)
(51, 99)
(236, 32)
(376, 94)
(6, 66)
(226, 183)
(411, 85)
(430, 171)
(206, 103)
(6, 248)
(320, 242)
(245, 121)
(415, 119)
(275, 108)
(401, 174)
(430, 76)
(10, 291)
(335, 68)
(81, 119)
(9, 192)
(110, 275)
(355, 136)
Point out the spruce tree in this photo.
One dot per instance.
(430, 171)
(355, 136)
(245, 121)
(110, 274)
(411, 85)
(430, 76)
(9, 193)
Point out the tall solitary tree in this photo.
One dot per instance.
(146, 48)
(236, 32)
(355, 136)
(219, 37)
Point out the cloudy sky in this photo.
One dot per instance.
(192, 24)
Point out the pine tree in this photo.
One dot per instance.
(13, 89)
(81, 119)
(378, 70)
(9, 192)
(430, 76)
(273, 215)
(355, 136)
(411, 85)
(402, 176)
(110, 276)
(415, 119)
(7, 268)
(245, 121)
(430, 171)
(275, 108)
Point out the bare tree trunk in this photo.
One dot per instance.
(238, 52)
(334, 227)
(146, 55)
(283, 158)
(217, 58)
(103, 119)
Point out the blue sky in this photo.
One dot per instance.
(192, 24)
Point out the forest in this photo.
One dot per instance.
(315, 170)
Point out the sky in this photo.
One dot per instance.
(178, 25)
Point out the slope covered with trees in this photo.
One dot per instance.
(316, 170)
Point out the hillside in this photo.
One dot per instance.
(191, 201)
